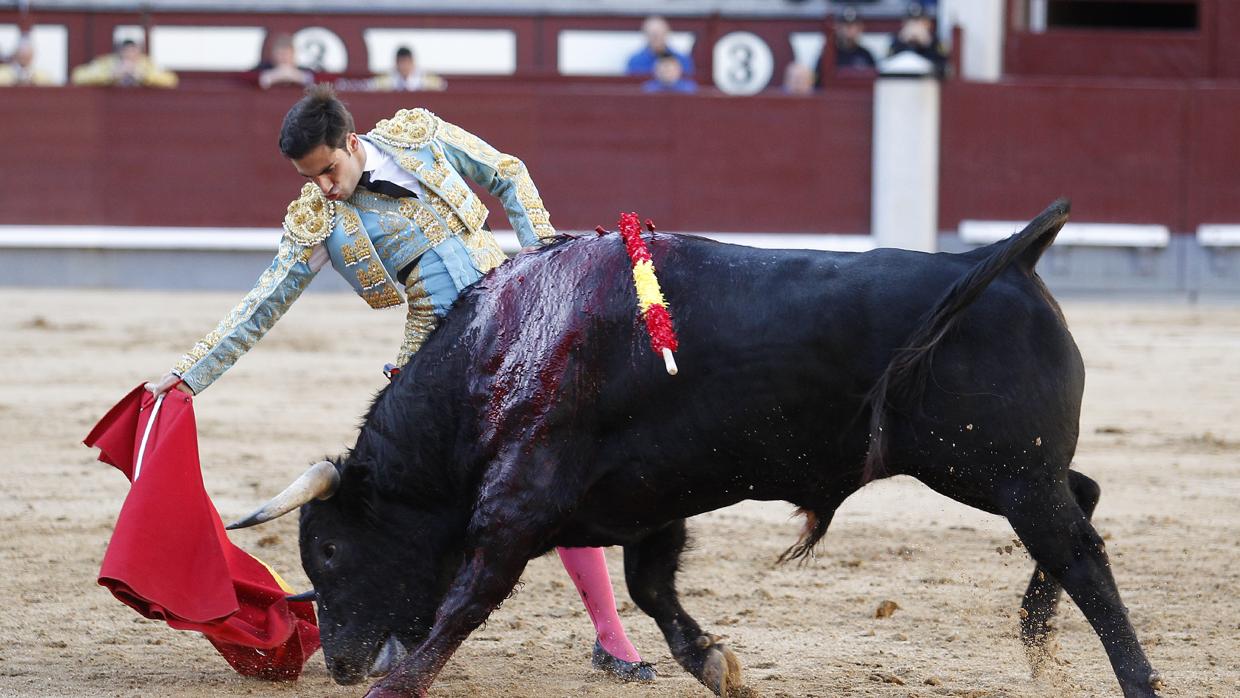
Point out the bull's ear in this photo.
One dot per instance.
(356, 474)
(357, 488)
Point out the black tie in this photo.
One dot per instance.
(386, 188)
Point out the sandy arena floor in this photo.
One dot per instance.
(1159, 433)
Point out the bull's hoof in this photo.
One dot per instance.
(721, 671)
(1147, 688)
(1156, 681)
(625, 671)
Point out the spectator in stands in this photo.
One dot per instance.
(644, 61)
(281, 68)
(798, 79)
(917, 35)
(128, 66)
(669, 76)
(20, 70)
(849, 53)
(407, 76)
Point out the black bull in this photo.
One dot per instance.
(537, 416)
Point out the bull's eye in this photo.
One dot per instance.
(329, 550)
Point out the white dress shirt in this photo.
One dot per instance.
(382, 166)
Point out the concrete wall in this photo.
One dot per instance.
(1183, 267)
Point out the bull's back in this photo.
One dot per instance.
(846, 313)
(778, 349)
(777, 323)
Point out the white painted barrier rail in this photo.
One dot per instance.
(266, 239)
(1073, 234)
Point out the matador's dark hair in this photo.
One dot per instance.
(318, 118)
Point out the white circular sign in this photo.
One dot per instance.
(320, 50)
(743, 63)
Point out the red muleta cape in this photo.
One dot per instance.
(170, 559)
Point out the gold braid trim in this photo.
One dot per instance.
(483, 249)
(421, 320)
(480, 149)
(408, 128)
(289, 254)
(372, 275)
(508, 167)
(454, 222)
(310, 217)
(379, 297)
(354, 252)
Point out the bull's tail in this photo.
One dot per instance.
(905, 376)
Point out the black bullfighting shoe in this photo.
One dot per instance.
(625, 671)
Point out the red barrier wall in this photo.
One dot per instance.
(1212, 187)
(208, 157)
(1118, 152)
(1137, 153)
(1158, 152)
(1079, 52)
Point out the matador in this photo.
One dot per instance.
(391, 210)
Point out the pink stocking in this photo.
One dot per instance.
(588, 569)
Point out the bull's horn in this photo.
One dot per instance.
(303, 596)
(318, 482)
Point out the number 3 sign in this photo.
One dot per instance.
(743, 64)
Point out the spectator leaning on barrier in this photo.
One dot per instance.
(407, 76)
(669, 76)
(917, 35)
(798, 79)
(644, 61)
(126, 67)
(20, 70)
(281, 68)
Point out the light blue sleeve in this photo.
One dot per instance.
(240, 330)
(504, 176)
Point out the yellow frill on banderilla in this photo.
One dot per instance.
(647, 285)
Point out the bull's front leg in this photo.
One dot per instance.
(494, 561)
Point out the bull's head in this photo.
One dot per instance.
(380, 564)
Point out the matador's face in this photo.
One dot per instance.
(335, 171)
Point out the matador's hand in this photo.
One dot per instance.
(162, 385)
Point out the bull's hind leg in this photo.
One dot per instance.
(650, 567)
(1059, 536)
(1042, 596)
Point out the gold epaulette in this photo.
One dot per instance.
(408, 128)
(310, 217)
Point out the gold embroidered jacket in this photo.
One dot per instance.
(369, 238)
